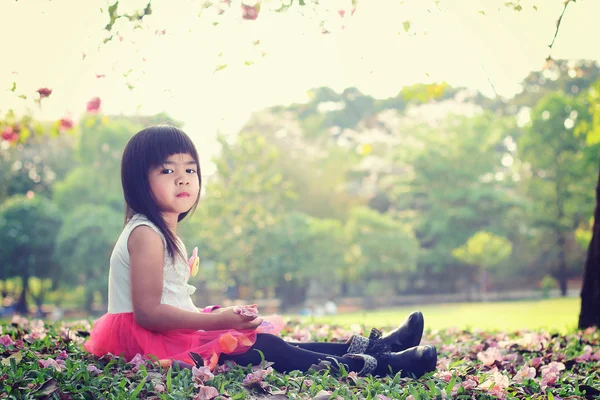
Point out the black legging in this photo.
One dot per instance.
(288, 356)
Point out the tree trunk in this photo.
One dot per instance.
(562, 264)
(590, 291)
(560, 237)
(21, 306)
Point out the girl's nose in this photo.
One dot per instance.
(183, 181)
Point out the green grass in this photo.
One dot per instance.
(550, 315)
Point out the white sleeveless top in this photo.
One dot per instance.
(176, 291)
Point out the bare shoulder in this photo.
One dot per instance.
(144, 239)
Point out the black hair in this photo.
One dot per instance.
(147, 149)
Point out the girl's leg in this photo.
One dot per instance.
(335, 349)
(287, 357)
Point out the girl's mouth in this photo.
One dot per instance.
(183, 194)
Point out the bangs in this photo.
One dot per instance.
(164, 141)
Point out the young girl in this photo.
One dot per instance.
(150, 310)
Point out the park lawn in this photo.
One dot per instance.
(48, 361)
(551, 315)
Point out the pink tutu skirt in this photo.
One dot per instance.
(120, 334)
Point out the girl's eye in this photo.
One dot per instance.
(190, 171)
(167, 171)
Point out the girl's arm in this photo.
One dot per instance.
(146, 251)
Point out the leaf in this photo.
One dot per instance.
(16, 356)
(220, 67)
(138, 389)
(406, 25)
(169, 380)
(535, 8)
(14, 87)
(47, 388)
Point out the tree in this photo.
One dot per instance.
(90, 199)
(484, 250)
(454, 184)
(247, 195)
(297, 250)
(559, 174)
(590, 292)
(28, 227)
(379, 247)
(83, 247)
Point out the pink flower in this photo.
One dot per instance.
(6, 341)
(206, 393)
(249, 12)
(66, 124)
(58, 365)
(587, 354)
(62, 355)
(257, 376)
(201, 375)
(552, 368)
(194, 262)
(44, 92)
(222, 369)
(247, 311)
(526, 372)
(497, 385)
(444, 375)
(443, 363)
(68, 335)
(18, 320)
(548, 379)
(93, 106)
(307, 383)
(92, 369)
(136, 361)
(469, 384)
(490, 356)
(535, 362)
(159, 388)
(9, 135)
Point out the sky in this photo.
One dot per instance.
(44, 42)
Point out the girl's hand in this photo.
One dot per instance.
(230, 319)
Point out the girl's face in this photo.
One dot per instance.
(175, 184)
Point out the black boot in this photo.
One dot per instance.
(414, 362)
(407, 335)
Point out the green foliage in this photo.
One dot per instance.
(560, 169)
(247, 195)
(379, 245)
(28, 229)
(299, 247)
(569, 77)
(456, 184)
(548, 283)
(484, 249)
(84, 243)
(27, 239)
(97, 179)
(425, 93)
